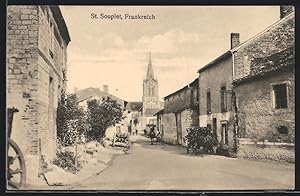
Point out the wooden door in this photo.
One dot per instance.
(178, 128)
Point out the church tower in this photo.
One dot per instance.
(150, 91)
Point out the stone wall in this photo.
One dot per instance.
(208, 82)
(34, 81)
(170, 133)
(188, 119)
(256, 114)
(276, 39)
(178, 101)
(22, 79)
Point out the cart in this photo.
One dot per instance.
(16, 170)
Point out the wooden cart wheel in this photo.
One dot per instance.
(16, 171)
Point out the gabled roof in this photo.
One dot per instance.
(159, 112)
(224, 55)
(262, 66)
(151, 112)
(90, 92)
(194, 83)
(58, 17)
(134, 106)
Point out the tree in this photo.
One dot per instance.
(101, 115)
(70, 119)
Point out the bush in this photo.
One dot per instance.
(66, 160)
(201, 138)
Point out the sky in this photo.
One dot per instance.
(181, 39)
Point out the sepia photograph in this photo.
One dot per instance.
(150, 98)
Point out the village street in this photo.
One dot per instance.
(158, 167)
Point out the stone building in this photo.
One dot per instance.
(151, 103)
(181, 111)
(264, 78)
(37, 40)
(215, 96)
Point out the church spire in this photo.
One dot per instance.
(150, 69)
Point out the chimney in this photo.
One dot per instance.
(105, 88)
(285, 10)
(234, 39)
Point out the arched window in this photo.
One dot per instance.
(151, 91)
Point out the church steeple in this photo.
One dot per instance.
(150, 69)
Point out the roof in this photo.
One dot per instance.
(134, 105)
(159, 112)
(151, 112)
(231, 51)
(292, 14)
(194, 83)
(90, 92)
(224, 55)
(58, 17)
(261, 66)
(150, 73)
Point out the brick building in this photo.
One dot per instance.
(181, 111)
(37, 41)
(264, 77)
(215, 96)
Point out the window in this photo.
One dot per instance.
(151, 91)
(51, 47)
(208, 102)
(282, 130)
(280, 96)
(223, 99)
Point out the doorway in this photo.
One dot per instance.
(224, 134)
(178, 128)
(214, 128)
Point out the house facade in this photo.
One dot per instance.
(181, 111)
(84, 95)
(87, 94)
(264, 79)
(37, 41)
(215, 96)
